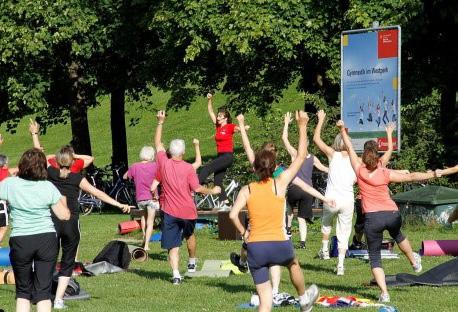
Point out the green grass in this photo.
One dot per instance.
(140, 124)
(146, 286)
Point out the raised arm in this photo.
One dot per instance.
(291, 150)
(317, 163)
(288, 175)
(389, 136)
(354, 159)
(326, 149)
(198, 161)
(89, 188)
(450, 170)
(85, 158)
(158, 135)
(34, 129)
(397, 177)
(246, 142)
(210, 108)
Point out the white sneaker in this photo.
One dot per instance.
(192, 267)
(417, 266)
(312, 295)
(59, 304)
(340, 270)
(384, 298)
(323, 254)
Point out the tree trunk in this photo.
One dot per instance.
(118, 127)
(81, 140)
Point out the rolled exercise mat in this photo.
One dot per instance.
(138, 254)
(7, 277)
(128, 226)
(5, 257)
(439, 247)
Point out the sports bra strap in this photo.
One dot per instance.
(275, 185)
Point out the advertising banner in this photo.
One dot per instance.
(370, 84)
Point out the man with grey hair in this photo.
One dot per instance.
(179, 180)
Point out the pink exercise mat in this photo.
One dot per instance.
(439, 247)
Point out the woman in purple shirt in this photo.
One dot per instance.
(143, 174)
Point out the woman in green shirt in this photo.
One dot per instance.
(33, 240)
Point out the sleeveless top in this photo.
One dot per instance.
(341, 178)
(305, 172)
(266, 213)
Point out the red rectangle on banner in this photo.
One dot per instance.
(382, 144)
(387, 43)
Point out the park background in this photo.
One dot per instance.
(94, 73)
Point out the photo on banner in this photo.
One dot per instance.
(370, 84)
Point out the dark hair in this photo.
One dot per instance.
(226, 113)
(32, 165)
(264, 164)
(269, 146)
(370, 156)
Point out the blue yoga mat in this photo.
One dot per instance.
(156, 237)
(5, 257)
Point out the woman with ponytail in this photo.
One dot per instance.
(380, 211)
(267, 242)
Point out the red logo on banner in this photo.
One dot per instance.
(382, 144)
(387, 43)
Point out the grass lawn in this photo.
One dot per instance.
(147, 287)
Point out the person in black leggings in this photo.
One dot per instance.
(225, 130)
(380, 211)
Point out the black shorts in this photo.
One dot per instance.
(68, 235)
(33, 258)
(174, 230)
(296, 197)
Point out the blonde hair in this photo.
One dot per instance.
(338, 144)
(64, 158)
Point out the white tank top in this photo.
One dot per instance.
(341, 178)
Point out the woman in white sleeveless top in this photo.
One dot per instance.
(341, 178)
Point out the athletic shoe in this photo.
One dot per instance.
(301, 245)
(235, 260)
(288, 232)
(191, 267)
(323, 254)
(59, 304)
(312, 295)
(417, 266)
(384, 298)
(224, 207)
(177, 280)
(340, 270)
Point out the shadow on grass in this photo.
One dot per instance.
(165, 276)
(158, 256)
(231, 288)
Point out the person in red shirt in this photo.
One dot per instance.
(178, 179)
(79, 163)
(225, 130)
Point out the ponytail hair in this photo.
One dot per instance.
(370, 156)
(264, 164)
(64, 158)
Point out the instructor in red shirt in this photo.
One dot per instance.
(225, 130)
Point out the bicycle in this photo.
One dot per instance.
(121, 190)
(208, 202)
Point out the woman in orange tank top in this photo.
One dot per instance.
(267, 242)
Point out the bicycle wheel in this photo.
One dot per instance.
(86, 202)
(124, 196)
(202, 202)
